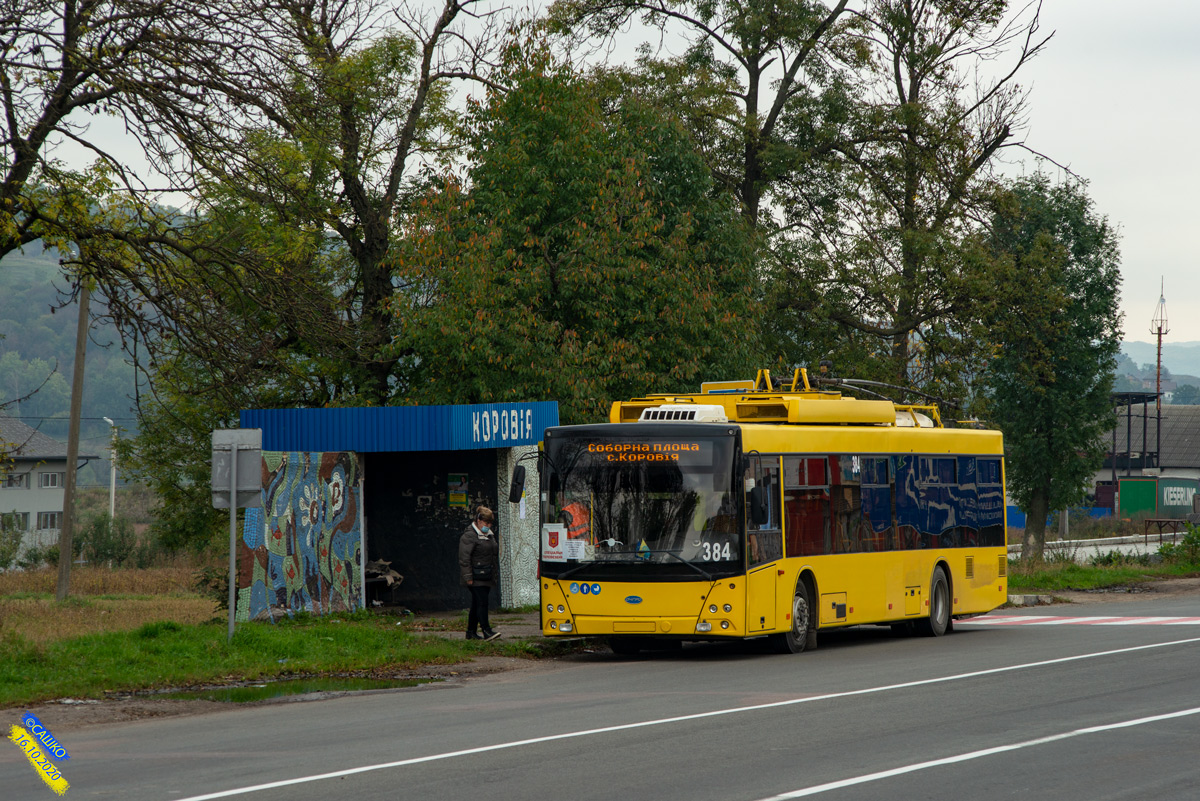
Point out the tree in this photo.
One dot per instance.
(62, 64)
(1055, 336)
(891, 272)
(1186, 395)
(299, 130)
(586, 260)
(758, 84)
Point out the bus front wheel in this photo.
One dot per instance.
(796, 640)
(938, 621)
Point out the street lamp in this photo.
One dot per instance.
(112, 473)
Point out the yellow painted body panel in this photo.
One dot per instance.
(873, 587)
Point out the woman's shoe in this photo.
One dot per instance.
(488, 634)
(472, 635)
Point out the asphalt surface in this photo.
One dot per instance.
(1052, 705)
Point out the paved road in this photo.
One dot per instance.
(1042, 708)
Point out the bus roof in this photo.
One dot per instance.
(764, 401)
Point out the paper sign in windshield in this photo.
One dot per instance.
(554, 542)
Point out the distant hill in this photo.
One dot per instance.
(37, 344)
(1181, 358)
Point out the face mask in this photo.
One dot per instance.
(485, 529)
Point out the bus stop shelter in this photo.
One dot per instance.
(351, 496)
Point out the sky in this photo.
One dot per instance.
(1116, 97)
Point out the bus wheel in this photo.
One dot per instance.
(795, 641)
(624, 646)
(938, 621)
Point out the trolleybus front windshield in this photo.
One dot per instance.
(643, 508)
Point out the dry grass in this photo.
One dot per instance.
(41, 621)
(87, 581)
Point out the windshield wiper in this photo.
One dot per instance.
(573, 570)
(672, 554)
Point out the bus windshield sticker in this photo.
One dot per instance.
(554, 539)
(575, 549)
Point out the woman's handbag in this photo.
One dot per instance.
(481, 572)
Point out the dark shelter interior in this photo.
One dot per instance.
(411, 523)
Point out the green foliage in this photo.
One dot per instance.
(889, 281)
(1186, 551)
(587, 261)
(37, 556)
(1186, 395)
(10, 540)
(213, 583)
(104, 540)
(1117, 558)
(1056, 333)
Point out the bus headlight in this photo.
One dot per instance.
(554, 625)
(728, 608)
(549, 607)
(712, 608)
(704, 625)
(561, 609)
(724, 624)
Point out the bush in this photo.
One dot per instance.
(39, 556)
(213, 582)
(1118, 559)
(105, 540)
(10, 540)
(1186, 551)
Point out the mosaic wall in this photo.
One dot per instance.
(520, 536)
(302, 551)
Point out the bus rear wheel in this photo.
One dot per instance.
(796, 640)
(938, 622)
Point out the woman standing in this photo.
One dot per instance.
(479, 564)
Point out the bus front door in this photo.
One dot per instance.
(760, 600)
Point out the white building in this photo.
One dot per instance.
(33, 474)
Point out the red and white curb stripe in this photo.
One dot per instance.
(1057, 620)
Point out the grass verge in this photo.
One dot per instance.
(1049, 577)
(39, 619)
(169, 654)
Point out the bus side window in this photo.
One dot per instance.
(846, 501)
(876, 504)
(806, 505)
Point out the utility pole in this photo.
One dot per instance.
(1158, 327)
(112, 471)
(66, 535)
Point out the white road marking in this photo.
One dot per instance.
(1055, 620)
(934, 763)
(679, 719)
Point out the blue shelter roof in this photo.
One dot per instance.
(403, 428)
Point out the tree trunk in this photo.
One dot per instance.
(1034, 545)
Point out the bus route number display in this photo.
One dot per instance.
(625, 451)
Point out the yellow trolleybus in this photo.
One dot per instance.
(753, 510)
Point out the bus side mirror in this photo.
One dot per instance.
(758, 506)
(517, 488)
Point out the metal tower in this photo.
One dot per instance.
(1158, 327)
